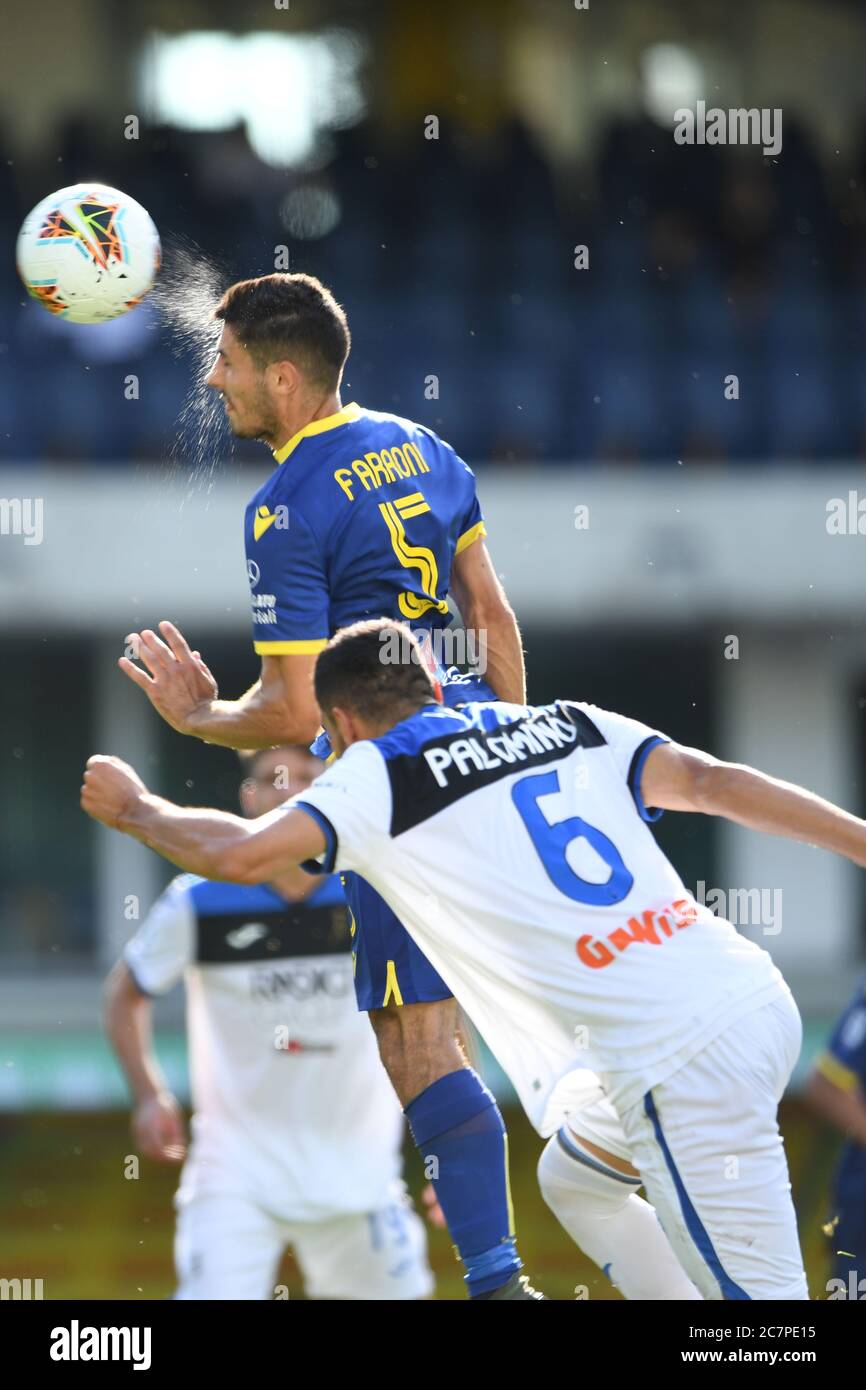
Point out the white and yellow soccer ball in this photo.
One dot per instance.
(88, 253)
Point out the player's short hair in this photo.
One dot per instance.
(376, 668)
(289, 316)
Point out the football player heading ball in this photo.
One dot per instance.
(366, 515)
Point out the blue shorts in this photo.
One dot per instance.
(389, 967)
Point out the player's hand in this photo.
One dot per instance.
(434, 1212)
(177, 682)
(110, 788)
(159, 1129)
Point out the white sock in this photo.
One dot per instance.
(618, 1230)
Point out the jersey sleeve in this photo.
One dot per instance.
(351, 803)
(163, 946)
(844, 1060)
(471, 524)
(629, 742)
(290, 598)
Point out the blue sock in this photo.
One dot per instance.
(457, 1122)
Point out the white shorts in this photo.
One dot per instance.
(227, 1247)
(707, 1145)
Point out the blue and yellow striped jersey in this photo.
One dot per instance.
(361, 519)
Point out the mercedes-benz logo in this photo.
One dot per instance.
(254, 574)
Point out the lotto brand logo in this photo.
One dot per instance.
(652, 928)
(242, 937)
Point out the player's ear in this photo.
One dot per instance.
(283, 377)
(437, 691)
(343, 722)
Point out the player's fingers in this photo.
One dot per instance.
(134, 672)
(154, 653)
(176, 641)
(173, 1153)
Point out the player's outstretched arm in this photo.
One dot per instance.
(685, 779)
(486, 611)
(279, 708)
(211, 843)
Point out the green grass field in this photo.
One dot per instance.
(70, 1217)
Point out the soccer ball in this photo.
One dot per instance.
(88, 253)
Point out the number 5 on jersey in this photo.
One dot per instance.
(416, 557)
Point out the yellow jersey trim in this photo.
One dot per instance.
(304, 648)
(836, 1071)
(508, 1199)
(392, 989)
(328, 422)
(473, 534)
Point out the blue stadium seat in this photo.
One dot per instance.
(809, 413)
(625, 322)
(631, 407)
(711, 424)
(525, 399)
(800, 318)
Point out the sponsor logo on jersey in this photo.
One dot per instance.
(651, 928)
(264, 608)
(303, 981)
(293, 1046)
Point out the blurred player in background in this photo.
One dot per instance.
(836, 1091)
(367, 514)
(296, 1129)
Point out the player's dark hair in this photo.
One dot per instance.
(289, 316)
(375, 668)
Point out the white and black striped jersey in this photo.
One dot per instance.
(293, 1107)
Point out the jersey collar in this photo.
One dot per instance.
(329, 422)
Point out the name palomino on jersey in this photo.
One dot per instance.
(516, 745)
(387, 466)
